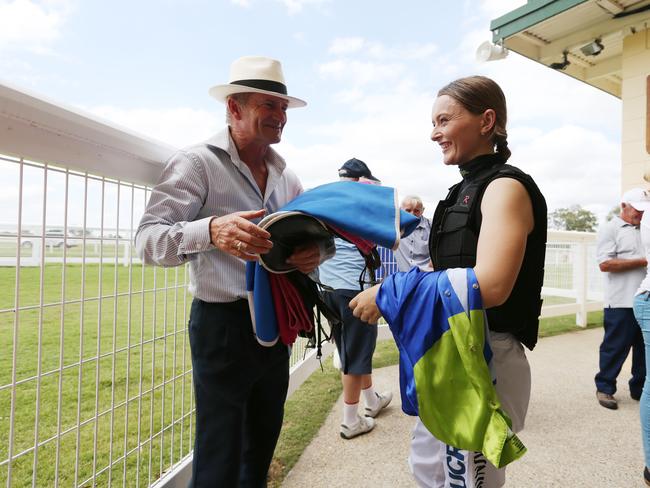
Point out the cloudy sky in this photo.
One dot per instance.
(369, 70)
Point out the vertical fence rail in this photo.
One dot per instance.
(94, 388)
(14, 352)
(59, 402)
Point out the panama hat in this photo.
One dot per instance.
(256, 74)
(289, 230)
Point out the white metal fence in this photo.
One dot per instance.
(95, 370)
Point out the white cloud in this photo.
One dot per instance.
(356, 73)
(176, 126)
(560, 130)
(346, 45)
(572, 165)
(31, 25)
(378, 50)
(497, 8)
(296, 6)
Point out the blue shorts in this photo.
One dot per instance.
(354, 339)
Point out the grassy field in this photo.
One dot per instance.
(114, 358)
(126, 357)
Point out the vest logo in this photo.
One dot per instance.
(465, 199)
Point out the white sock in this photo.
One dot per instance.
(370, 397)
(350, 414)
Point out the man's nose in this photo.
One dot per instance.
(281, 115)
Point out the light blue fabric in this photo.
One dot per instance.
(642, 315)
(367, 211)
(342, 271)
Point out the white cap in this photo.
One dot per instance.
(638, 198)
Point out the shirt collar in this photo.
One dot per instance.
(622, 223)
(223, 140)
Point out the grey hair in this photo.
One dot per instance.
(241, 99)
(412, 198)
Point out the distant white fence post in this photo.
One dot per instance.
(35, 259)
(127, 253)
(580, 282)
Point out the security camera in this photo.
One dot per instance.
(490, 52)
(594, 48)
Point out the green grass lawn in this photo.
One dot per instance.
(143, 388)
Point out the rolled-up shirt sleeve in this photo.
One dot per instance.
(168, 235)
(606, 244)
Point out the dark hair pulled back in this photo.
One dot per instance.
(478, 94)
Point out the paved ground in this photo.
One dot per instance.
(571, 440)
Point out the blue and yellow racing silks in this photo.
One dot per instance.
(439, 325)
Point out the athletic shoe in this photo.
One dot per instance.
(646, 476)
(606, 400)
(383, 399)
(363, 426)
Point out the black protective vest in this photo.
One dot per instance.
(454, 237)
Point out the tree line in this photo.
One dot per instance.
(577, 218)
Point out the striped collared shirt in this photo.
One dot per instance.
(198, 183)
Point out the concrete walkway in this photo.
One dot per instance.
(571, 440)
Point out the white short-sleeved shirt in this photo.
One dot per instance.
(619, 240)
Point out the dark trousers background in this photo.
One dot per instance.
(240, 388)
(622, 333)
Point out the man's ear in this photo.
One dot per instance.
(234, 108)
(488, 120)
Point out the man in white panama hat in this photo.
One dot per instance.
(204, 211)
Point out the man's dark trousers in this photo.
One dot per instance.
(240, 388)
(622, 332)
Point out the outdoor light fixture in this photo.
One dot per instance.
(490, 52)
(563, 64)
(594, 48)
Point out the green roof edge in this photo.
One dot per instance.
(534, 12)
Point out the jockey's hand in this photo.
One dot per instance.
(364, 306)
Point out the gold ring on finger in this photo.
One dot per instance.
(239, 245)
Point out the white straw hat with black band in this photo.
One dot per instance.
(256, 74)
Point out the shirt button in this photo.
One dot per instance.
(475, 286)
(447, 293)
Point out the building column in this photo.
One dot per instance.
(635, 95)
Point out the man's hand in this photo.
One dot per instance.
(364, 306)
(236, 235)
(305, 258)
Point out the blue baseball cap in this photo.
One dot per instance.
(355, 168)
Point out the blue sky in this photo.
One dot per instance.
(369, 71)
